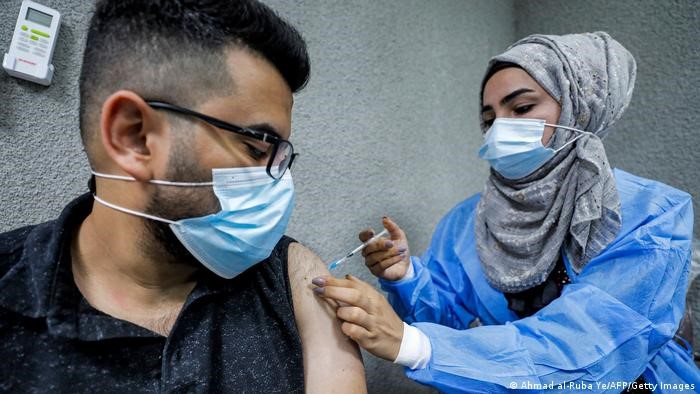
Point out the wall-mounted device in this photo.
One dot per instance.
(33, 43)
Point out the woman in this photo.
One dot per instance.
(563, 274)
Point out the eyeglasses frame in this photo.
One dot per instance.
(247, 132)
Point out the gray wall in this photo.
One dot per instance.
(388, 123)
(42, 166)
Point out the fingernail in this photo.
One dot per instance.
(402, 249)
(318, 281)
(319, 290)
(388, 244)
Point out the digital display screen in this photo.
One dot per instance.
(39, 17)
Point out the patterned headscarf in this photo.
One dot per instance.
(571, 203)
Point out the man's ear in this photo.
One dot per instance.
(134, 135)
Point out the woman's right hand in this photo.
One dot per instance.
(387, 258)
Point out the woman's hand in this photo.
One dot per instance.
(367, 317)
(387, 258)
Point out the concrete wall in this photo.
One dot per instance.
(388, 123)
(42, 165)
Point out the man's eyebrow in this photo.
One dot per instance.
(508, 98)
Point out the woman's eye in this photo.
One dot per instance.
(523, 109)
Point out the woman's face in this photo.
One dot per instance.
(512, 93)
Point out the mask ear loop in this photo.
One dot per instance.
(131, 179)
(129, 211)
(153, 181)
(581, 134)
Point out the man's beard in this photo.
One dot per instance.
(175, 203)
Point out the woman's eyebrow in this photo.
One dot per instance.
(515, 94)
(508, 98)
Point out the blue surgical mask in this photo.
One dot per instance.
(255, 211)
(513, 146)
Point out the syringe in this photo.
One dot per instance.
(336, 263)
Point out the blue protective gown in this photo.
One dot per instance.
(611, 324)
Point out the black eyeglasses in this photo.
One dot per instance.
(282, 155)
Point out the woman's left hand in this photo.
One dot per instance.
(367, 316)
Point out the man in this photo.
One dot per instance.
(173, 274)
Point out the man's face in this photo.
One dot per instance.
(261, 100)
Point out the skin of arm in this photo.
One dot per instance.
(332, 361)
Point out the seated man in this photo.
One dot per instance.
(173, 274)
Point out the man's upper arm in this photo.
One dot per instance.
(332, 361)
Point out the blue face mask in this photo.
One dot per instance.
(513, 146)
(255, 211)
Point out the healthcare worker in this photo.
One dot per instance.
(563, 275)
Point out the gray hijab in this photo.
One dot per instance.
(571, 203)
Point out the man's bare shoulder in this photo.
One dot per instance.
(330, 358)
(304, 265)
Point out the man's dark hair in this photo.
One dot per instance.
(174, 50)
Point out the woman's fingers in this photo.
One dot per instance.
(322, 281)
(367, 316)
(380, 245)
(390, 262)
(347, 295)
(353, 314)
(383, 244)
(350, 291)
(366, 234)
(382, 269)
(395, 231)
(355, 332)
(383, 257)
(387, 258)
